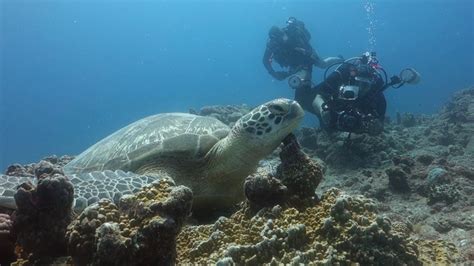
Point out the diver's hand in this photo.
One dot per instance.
(280, 75)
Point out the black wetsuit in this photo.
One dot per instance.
(296, 53)
(285, 54)
(373, 102)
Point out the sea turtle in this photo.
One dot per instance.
(199, 152)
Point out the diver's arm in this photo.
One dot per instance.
(395, 81)
(267, 61)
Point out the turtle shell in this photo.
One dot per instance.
(173, 136)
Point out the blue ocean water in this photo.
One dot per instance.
(73, 72)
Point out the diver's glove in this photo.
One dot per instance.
(280, 75)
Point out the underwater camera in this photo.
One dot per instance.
(348, 92)
(355, 122)
(348, 121)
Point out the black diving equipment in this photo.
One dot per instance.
(348, 92)
(348, 121)
(366, 64)
(294, 81)
(356, 122)
(290, 20)
(359, 105)
(299, 79)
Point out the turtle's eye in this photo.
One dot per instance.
(277, 109)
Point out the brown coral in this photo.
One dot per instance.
(7, 243)
(297, 171)
(140, 231)
(437, 252)
(42, 216)
(340, 229)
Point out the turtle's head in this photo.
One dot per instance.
(268, 124)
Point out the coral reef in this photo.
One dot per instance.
(418, 172)
(20, 170)
(296, 179)
(341, 153)
(141, 230)
(7, 243)
(460, 109)
(436, 252)
(264, 191)
(297, 171)
(446, 192)
(49, 165)
(397, 179)
(42, 215)
(339, 229)
(46, 168)
(406, 119)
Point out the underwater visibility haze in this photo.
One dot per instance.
(73, 72)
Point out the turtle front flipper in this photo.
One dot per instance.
(8, 188)
(92, 187)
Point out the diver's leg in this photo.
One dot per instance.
(304, 96)
(319, 106)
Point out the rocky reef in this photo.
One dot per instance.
(7, 242)
(295, 180)
(340, 229)
(46, 167)
(297, 171)
(42, 216)
(141, 230)
(419, 170)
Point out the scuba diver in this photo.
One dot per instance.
(290, 48)
(351, 98)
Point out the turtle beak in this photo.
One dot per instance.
(295, 112)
